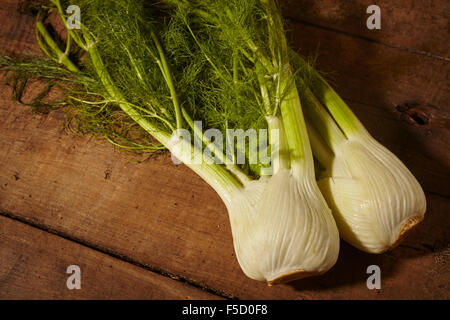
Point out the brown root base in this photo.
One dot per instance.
(291, 276)
(407, 227)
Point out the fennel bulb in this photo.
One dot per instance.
(282, 229)
(375, 199)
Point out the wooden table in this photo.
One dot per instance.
(153, 230)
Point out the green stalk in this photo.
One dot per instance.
(296, 134)
(340, 111)
(263, 87)
(117, 95)
(260, 56)
(61, 57)
(168, 77)
(290, 105)
(319, 116)
(43, 45)
(280, 149)
(320, 148)
(216, 151)
(75, 37)
(68, 44)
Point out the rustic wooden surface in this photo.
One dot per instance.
(41, 257)
(155, 230)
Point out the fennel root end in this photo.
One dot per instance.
(406, 229)
(292, 276)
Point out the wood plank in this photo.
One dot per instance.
(418, 26)
(165, 217)
(34, 265)
(17, 33)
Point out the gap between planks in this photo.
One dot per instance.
(118, 256)
(349, 34)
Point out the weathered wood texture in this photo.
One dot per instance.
(34, 264)
(166, 218)
(419, 26)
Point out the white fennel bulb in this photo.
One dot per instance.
(375, 199)
(282, 227)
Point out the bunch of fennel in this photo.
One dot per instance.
(136, 69)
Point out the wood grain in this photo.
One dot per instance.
(166, 218)
(34, 265)
(420, 26)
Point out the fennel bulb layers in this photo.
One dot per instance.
(375, 199)
(282, 227)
